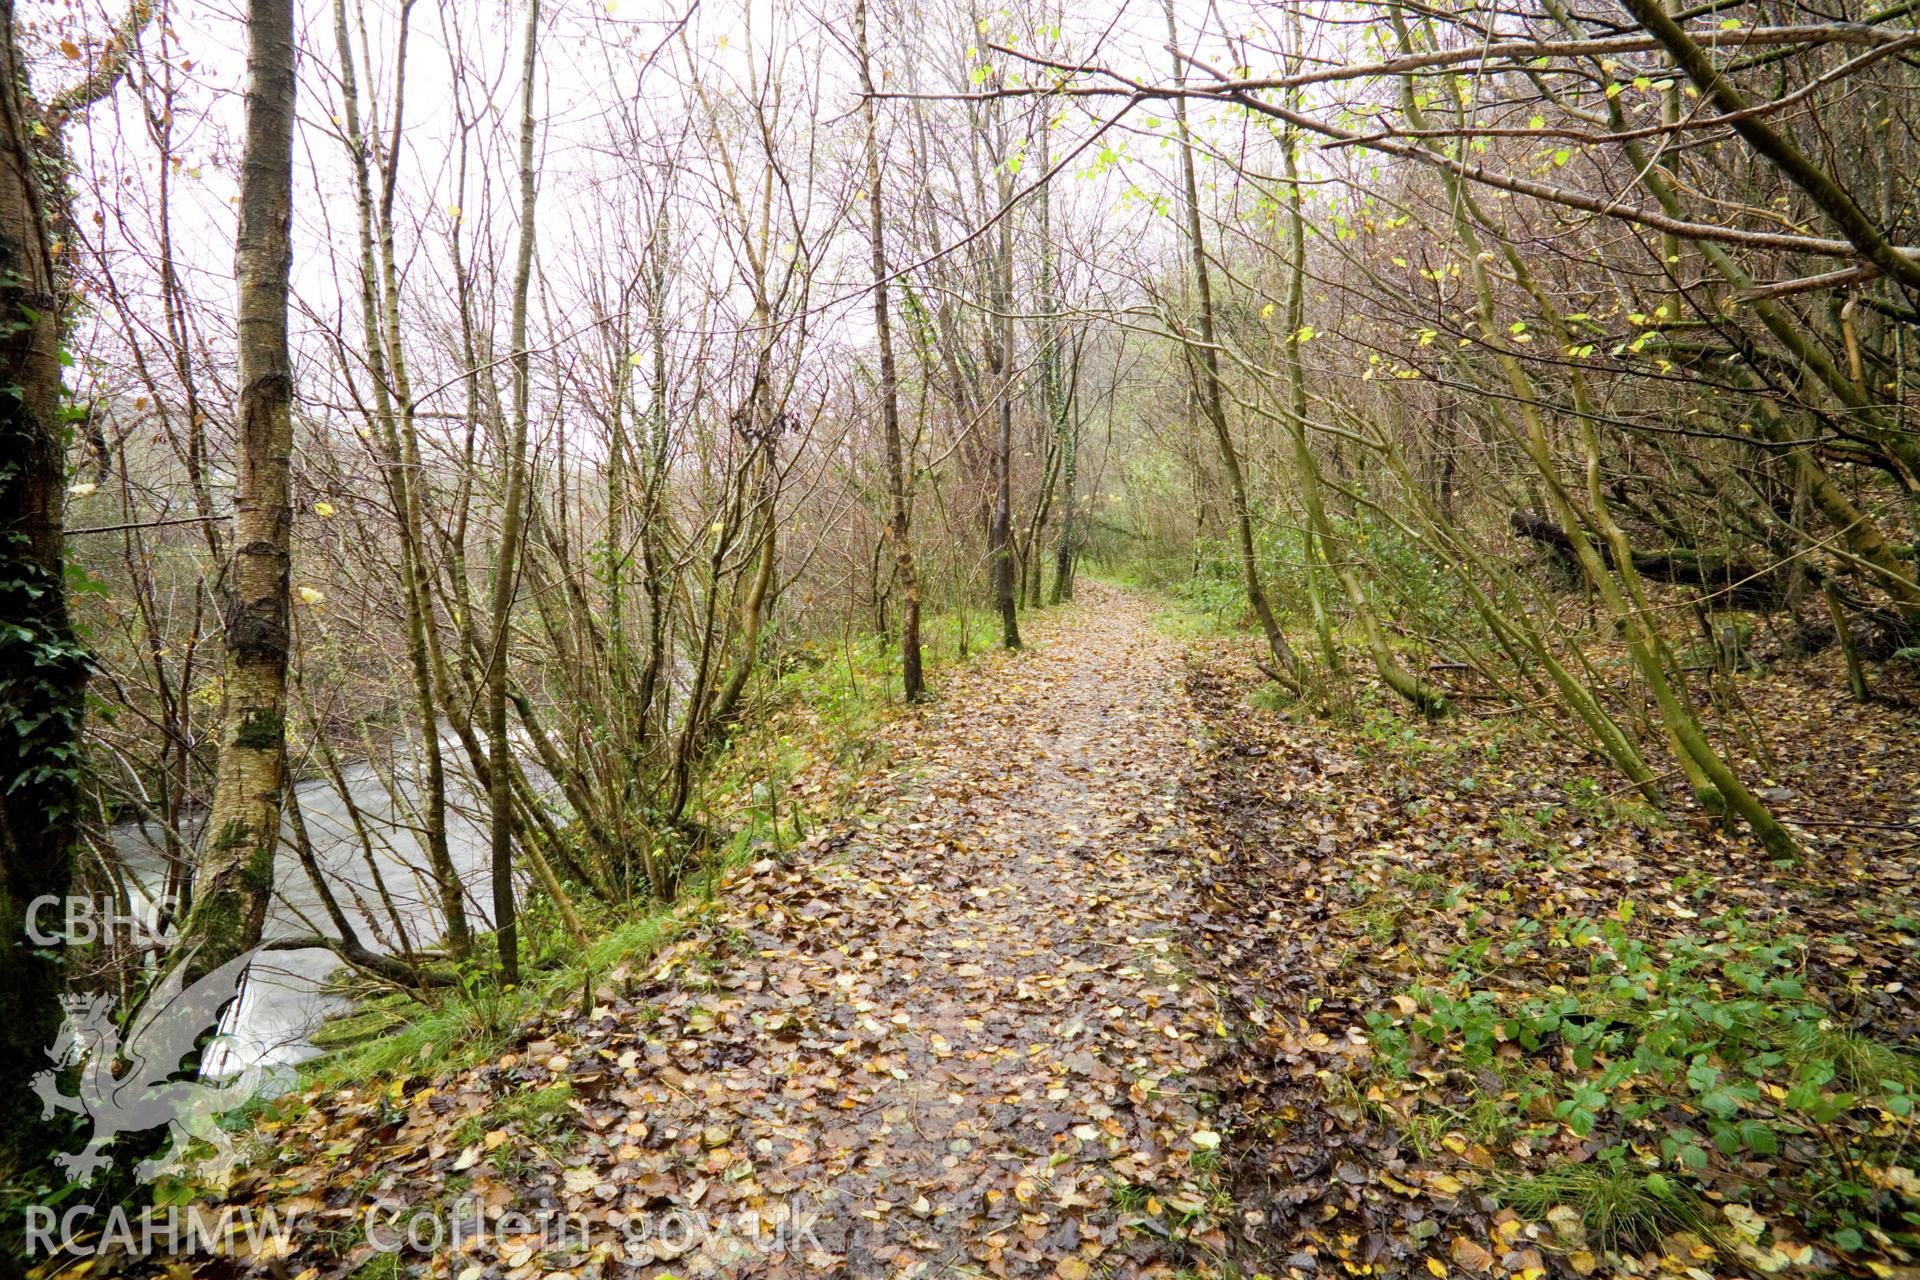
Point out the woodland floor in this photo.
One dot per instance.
(1087, 992)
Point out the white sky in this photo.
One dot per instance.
(591, 69)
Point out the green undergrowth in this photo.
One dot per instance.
(1212, 604)
(1208, 594)
(1701, 1058)
(398, 1032)
(1618, 1207)
(798, 759)
(802, 754)
(1668, 1064)
(1661, 1043)
(1627, 1025)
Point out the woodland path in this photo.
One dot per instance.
(957, 1037)
(959, 1034)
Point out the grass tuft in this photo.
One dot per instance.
(1621, 1207)
(1860, 1063)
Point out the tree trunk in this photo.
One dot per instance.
(1000, 539)
(386, 361)
(1318, 540)
(512, 519)
(1055, 398)
(243, 829)
(759, 597)
(1212, 402)
(913, 680)
(42, 667)
(1856, 676)
(1065, 548)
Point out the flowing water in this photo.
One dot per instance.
(284, 999)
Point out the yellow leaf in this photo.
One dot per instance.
(1767, 1260)
(1749, 1225)
(1567, 1224)
(323, 509)
(1437, 1267)
(1686, 1244)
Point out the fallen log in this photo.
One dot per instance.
(390, 968)
(1734, 583)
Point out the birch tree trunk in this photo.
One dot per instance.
(387, 365)
(1055, 397)
(243, 830)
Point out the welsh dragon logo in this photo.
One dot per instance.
(128, 1083)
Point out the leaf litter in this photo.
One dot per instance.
(1122, 975)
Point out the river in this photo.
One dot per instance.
(284, 999)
